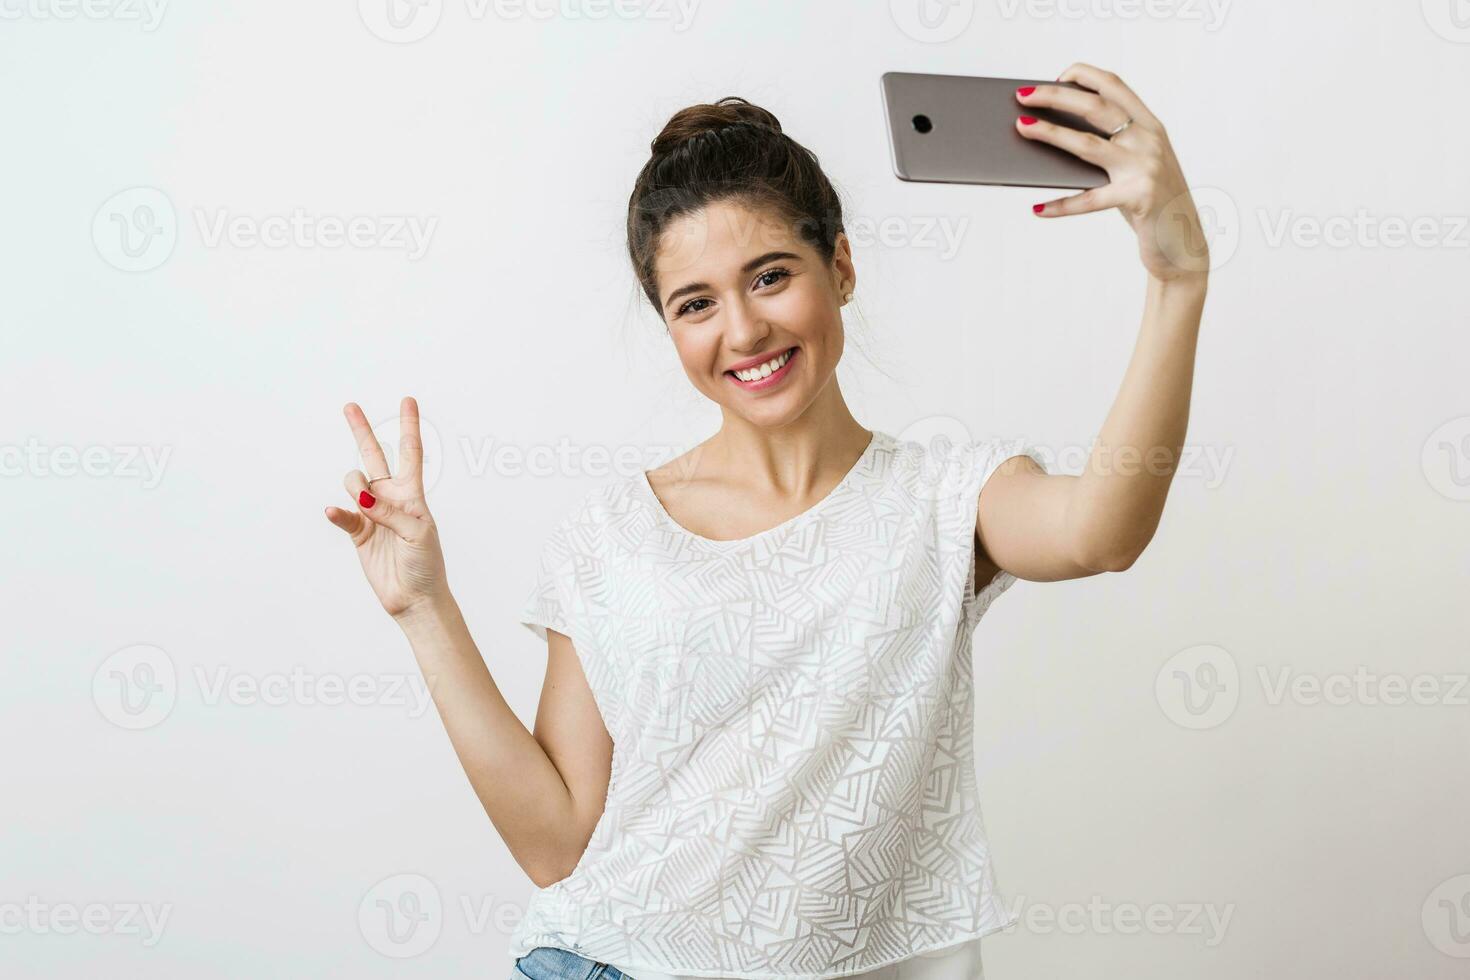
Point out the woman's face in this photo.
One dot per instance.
(739, 286)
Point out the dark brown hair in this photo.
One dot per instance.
(734, 151)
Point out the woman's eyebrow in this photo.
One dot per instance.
(748, 267)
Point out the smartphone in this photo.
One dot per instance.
(961, 129)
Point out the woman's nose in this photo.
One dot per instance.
(744, 329)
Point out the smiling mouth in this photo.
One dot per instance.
(768, 373)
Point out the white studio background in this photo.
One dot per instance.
(1243, 757)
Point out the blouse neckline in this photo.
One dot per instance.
(646, 487)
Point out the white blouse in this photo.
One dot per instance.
(793, 789)
(958, 962)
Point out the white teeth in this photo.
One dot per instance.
(764, 370)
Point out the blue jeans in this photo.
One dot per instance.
(552, 963)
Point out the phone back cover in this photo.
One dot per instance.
(974, 139)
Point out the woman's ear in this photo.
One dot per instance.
(842, 265)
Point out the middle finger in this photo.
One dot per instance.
(410, 443)
(1088, 105)
(1090, 147)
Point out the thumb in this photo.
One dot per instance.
(347, 520)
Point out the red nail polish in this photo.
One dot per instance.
(366, 499)
(1025, 91)
(1028, 121)
(1038, 208)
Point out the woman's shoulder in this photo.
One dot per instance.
(923, 457)
(599, 508)
(943, 464)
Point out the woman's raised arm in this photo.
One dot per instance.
(543, 792)
(1046, 527)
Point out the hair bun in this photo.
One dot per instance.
(696, 120)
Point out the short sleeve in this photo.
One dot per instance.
(568, 594)
(973, 465)
(552, 599)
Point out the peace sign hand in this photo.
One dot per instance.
(395, 536)
(1145, 181)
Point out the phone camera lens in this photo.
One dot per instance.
(922, 123)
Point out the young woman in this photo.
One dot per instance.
(753, 755)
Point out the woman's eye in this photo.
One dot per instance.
(764, 278)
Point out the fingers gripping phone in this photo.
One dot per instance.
(961, 129)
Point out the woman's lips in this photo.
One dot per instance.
(772, 379)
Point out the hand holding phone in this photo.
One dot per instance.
(1086, 130)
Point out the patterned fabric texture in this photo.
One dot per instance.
(793, 789)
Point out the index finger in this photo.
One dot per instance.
(1110, 87)
(373, 460)
(410, 443)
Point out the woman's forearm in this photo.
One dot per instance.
(1119, 498)
(518, 785)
